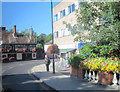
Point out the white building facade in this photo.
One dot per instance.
(65, 12)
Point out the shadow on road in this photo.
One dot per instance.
(20, 82)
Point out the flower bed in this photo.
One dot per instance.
(101, 64)
(105, 67)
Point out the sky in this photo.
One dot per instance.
(27, 14)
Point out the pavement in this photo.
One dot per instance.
(62, 80)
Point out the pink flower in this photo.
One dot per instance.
(104, 62)
(109, 70)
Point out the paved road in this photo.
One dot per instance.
(16, 76)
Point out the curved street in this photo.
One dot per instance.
(16, 76)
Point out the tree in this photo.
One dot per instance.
(48, 38)
(101, 22)
(42, 39)
(25, 32)
(10, 30)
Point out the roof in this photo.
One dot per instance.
(66, 50)
(18, 38)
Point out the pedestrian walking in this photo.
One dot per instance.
(47, 62)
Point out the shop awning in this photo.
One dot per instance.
(66, 50)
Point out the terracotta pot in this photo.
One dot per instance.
(73, 71)
(81, 73)
(105, 77)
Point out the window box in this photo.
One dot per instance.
(5, 60)
(12, 59)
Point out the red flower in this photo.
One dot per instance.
(113, 58)
(33, 51)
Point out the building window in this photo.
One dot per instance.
(73, 7)
(62, 13)
(56, 34)
(56, 17)
(69, 9)
(63, 32)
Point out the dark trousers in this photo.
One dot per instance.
(47, 67)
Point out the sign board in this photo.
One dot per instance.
(19, 56)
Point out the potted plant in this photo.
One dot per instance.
(12, 59)
(33, 50)
(74, 62)
(8, 50)
(24, 49)
(5, 60)
(16, 49)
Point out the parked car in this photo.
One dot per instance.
(5, 60)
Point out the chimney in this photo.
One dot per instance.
(14, 29)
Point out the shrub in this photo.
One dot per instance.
(74, 60)
(87, 50)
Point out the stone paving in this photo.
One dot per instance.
(63, 81)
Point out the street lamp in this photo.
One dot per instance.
(52, 35)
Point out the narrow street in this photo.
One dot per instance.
(16, 76)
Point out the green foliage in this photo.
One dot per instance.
(87, 50)
(101, 20)
(25, 32)
(11, 30)
(42, 39)
(74, 60)
(39, 46)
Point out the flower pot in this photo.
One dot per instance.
(81, 73)
(105, 77)
(73, 71)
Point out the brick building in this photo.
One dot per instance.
(17, 45)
